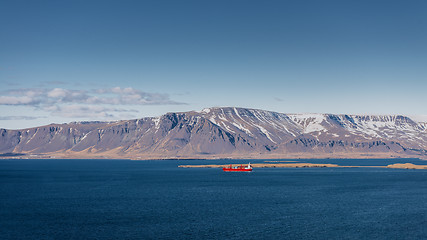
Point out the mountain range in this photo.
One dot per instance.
(224, 132)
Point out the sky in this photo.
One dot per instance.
(65, 61)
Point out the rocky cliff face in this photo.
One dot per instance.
(225, 132)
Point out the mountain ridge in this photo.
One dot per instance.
(225, 132)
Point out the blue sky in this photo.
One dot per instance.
(63, 61)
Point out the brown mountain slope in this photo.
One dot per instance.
(225, 132)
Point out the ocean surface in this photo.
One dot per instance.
(123, 199)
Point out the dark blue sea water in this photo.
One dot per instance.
(122, 199)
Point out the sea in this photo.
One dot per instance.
(125, 199)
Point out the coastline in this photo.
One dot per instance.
(290, 156)
(310, 165)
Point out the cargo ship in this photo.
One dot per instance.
(240, 168)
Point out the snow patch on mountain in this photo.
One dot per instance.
(156, 121)
(309, 122)
(242, 128)
(206, 110)
(266, 133)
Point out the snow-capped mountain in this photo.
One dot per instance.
(226, 132)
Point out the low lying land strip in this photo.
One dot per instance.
(281, 161)
(407, 166)
(308, 165)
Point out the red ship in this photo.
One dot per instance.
(238, 168)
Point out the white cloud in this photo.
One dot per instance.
(78, 111)
(19, 118)
(112, 96)
(86, 111)
(419, 118)
(57, 93)
(130, 96)
(83, 103)
(22, 100)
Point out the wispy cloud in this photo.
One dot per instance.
(12, 84)
(19, 117)
(130, 96)
(52, 83)
(83, 103)
(89, 111)
(419, 118)
(111, 96)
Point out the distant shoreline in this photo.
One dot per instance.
(310, 165)
(268, 163)
(272, 157)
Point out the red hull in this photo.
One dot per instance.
(237, 169)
